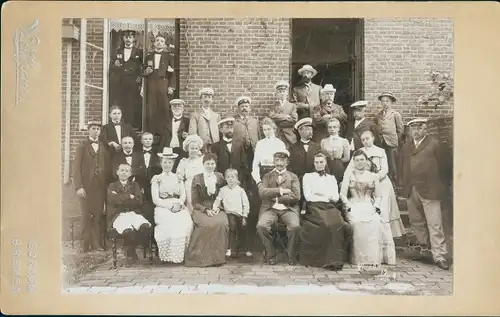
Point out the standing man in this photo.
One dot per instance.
(302, 153)
(160, 86)
(245, 126)
(306, 95)
(280, 192)
(176, 131)
(91, 174)
(390, 124)
(204, 121)
(423, 175)
(360, 124)
(126, 79)
(284, 114)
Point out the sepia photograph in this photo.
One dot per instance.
(257, 155)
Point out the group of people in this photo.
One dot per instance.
(214, 183)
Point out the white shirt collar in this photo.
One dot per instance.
(417, 143)
(306, 142)
(95, 140)
(359, 121)
(226, 139)
(123, 182)
(280, 173)
(129, 153)
(147, 148)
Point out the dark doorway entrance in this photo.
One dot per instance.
(334, 48)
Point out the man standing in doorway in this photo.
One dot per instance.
(306, 95)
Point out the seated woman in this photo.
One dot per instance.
(363, 211)
(263, 161)
(190, 166)
(173, 221)
(325, 233)
(337, 149)
(209, 240)
(392, 225)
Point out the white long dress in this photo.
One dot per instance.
(173, 229)
(187, 169)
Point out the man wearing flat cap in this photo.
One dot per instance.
(423, 175)
(159, 72)
(125, 73)
(284, 114)
(204, 121)
(360, 124)
(246, 127)
(306, 95)
(176, 130)
(280, 193)
(302, 153)
(91, 175)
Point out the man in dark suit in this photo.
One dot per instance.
(176, 131)
(91, 174)
(126, 78)
(126, 156)
(302, 153)
(160, 85)
(306, 95)
(280, 193)
(423, 174)
(359, 125)
(113, 132)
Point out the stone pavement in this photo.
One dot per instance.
(408, 277)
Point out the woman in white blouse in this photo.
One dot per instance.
(324, 233)
(191, 165)
(263, 161)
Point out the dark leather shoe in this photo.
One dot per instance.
(292, 262)
(442, 265)
(271, 261)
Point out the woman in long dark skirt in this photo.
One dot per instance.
(209, 240)
(324, 234)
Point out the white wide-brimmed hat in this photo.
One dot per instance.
(190, 139)
(309, 68)
(417, 121)
(206, 91)
(303, 122)
(168, 153)
(328, 88)
(283, 84)
(359, 104)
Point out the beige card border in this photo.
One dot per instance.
(31, 177)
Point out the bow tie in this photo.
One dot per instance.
(146, 151)
(177, 120)
(93, 142)
(228, 142)
(157, 53)
(322, 173)
(116, 123)
(128, 155)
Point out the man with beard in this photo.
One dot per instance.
(327, 110)
(246, 127)
(160, 86)
(360, 124)
(306, 95)
(284, 114)
(302, 153)
(125, 79)
(176, 131)
(204, 121)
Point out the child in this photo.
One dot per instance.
(124, 203)
(113, 132)
(236, 205)
(126, 156)
(91, 173)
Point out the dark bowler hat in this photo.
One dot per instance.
(129, 32)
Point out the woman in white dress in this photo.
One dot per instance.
(190, 166)
(173, 221)
(392, 225)
(363, 211)
(263, 161)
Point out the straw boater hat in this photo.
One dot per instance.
(282, 154)
(243, 99)
(304, 122)
(168, 153)
(190, 139)
(206, 91)
(417, 121)
(177, 102)
(328, 88)
(94, 123)
(387, 94)
(228, 120)
(309, 68)
(359, 104)
(282, 84)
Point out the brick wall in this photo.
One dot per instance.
(399, 54)
(234, 57)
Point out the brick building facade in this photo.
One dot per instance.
(248, 56)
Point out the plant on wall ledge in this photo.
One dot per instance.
(441, 90)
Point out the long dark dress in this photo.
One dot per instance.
(209, 240)
(324, 235)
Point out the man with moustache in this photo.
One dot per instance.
(126, 78)
(360, 124)
(204, 121)
(306, 95)
(327, 110)
(246, 127)
(284, 114)
(160, 86)
(176, 131)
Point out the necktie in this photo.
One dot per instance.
(116, 123)
(177, 120)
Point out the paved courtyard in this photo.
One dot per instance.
(408, 277)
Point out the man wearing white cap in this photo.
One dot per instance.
(306, 95)
(246, 127)
(360, 124)
(204, 121)
(160, 86)
(284, 114)
(423, 185)
(326, 111)
(176, 131)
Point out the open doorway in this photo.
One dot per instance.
(334, 48)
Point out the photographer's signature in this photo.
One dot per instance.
(25, 43)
